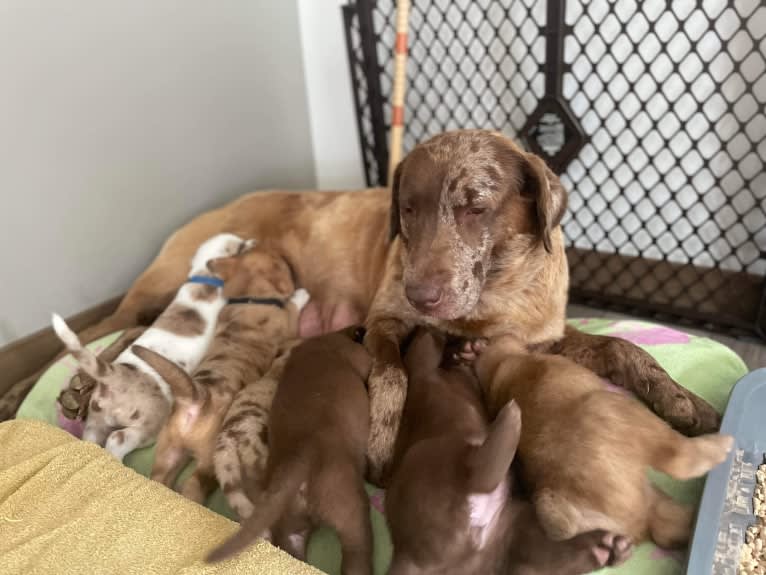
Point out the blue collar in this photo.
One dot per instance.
(207, 280)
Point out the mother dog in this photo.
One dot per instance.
(469, 241)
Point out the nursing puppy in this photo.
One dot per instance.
(450, 506)
(131, 401)
(262, 312)
(242, 446)
(317, 438)
(585, 450)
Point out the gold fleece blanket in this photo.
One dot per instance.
(67, 506)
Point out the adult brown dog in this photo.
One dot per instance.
(479, 252)
(450, 505)
(479, 216)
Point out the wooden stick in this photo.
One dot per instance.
(399, 88)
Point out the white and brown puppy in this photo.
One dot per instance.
(262, 313)
(131, 401)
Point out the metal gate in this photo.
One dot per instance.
(653, 114)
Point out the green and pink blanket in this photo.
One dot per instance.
(700, 364)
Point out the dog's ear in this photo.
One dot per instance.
(543, 187)
(395, 222)
(488, 463)
(223, 267)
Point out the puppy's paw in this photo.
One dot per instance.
(300, 298)
(470, 350)
(598, 549)
(248, 244)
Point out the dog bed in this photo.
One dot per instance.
(700, 364)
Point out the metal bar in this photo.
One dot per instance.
(349, 11)
(375, 95)
(555, 31)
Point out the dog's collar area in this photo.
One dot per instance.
(206, 280)
(257, 301)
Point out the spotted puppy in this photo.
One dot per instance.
(262, 312)
(317, 437)
(131, 401)
(242, 446)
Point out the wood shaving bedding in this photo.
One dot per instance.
(752, 559)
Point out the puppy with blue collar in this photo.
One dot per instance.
(131, 402)
(260, 316)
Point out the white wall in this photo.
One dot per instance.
(334, 134)
(119, 121)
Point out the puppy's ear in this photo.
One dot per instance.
(395, 223)
(488, 463)
(543, 187)
(223, 267)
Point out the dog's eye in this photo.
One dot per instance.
(408, 210)
(476, 211)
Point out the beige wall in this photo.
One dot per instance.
(120, 120)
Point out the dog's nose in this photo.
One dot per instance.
(427, 295)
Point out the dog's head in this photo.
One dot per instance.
(462, 201)
(256, 273)
(451, 517)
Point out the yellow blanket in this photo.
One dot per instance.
(67, 506)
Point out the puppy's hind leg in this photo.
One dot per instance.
(201, 483)
(345, 507)
(96, 430)
(685, 458)
(562, 518)
(123, 441)
(670, 523)
(169, 458)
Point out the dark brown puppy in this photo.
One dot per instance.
(449, 507)
(317, 437)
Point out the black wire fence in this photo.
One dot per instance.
(653, 114)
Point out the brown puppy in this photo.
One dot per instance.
(317, 437)
(261, 314)
(585, 450)
(479, 253)
(449, 507)
(338, 244)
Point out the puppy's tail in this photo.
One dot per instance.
(283, 485)
(89, 361)
(180, 383)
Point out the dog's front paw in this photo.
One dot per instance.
(687, 413)
(300, 298)
(388, 390)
